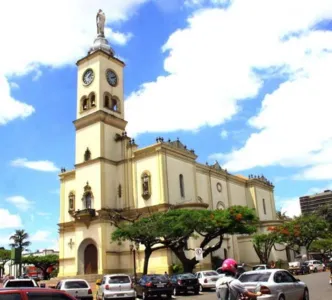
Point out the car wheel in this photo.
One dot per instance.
(175, 292)
(144, 296)
(315, 270)
(306, 295)
(196, 292)
(200, 288)
(169, 296)
(282, 297)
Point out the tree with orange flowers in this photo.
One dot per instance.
(302, 231)
(263, 244)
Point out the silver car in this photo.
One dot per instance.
(117, 286)
(78, 288)
(275, 284)
(207, 279)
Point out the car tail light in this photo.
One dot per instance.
(180, 282)
(149, 284)
(265, 290)
(107, 287)
(90, 292)
(205, 280)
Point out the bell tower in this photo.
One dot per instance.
(100, 121)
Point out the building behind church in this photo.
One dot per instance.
(111, 171)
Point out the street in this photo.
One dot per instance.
(318, 284)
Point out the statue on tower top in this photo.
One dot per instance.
(100, 19)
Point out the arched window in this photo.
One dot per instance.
(87, 197)
(181, 186)
(146, 185)
(87, 154)
(71, 199)
(93, 100)
(114, 105)
(264, 207)
(87, 200)
(106, 101)
(85, 103)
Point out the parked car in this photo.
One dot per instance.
(33, 294)
(315, 265)
(18, 283)
(118, 286)
(78, 288)
(184, 283)
(153, 285)
(259, 267)
(275, 284)
(302, 269)
(207, 279)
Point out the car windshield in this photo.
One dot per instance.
(20, 283)
(186, 276)
(210, 273)
(255, 277)
(76, 285)
(119, 279)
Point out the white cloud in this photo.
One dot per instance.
(54, 246)
(8, 220)
(20, 202)
(40, 165)
(14, 85)
(211, 65)
(40, 213)
(292, 126)
(224, 134)
(51, 36)
(40, 236)
(291, 207)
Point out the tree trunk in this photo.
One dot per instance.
(188, 264)
(147, 254)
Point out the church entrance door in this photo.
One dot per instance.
(90, 259)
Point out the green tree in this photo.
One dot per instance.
(209, 227)
(142, 231)
(42, 262)
(21, 241)
(321, 244)
(301, 231)
(172, 229)
(263, 244)
(4, 257)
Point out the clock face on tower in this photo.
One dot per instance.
(88, 76)
(111, 77)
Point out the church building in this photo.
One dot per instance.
(111, 171)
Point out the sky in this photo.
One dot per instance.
(243, 82)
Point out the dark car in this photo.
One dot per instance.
(33, 294)
(154, 285)
(304, 269)
(184, 283)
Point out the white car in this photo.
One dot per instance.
(117, 286)
(274, 284)
(315, 265)
(24, 283)
(78, 288)
(259, 267)
(207, 279)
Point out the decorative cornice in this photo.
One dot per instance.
(102, 53)
(67, 175)
(100, 116)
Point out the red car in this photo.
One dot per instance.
(33, 294)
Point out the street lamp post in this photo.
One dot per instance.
(133, 249)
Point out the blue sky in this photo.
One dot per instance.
(244, 82)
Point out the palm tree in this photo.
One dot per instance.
(21, 241)
(282, 216)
